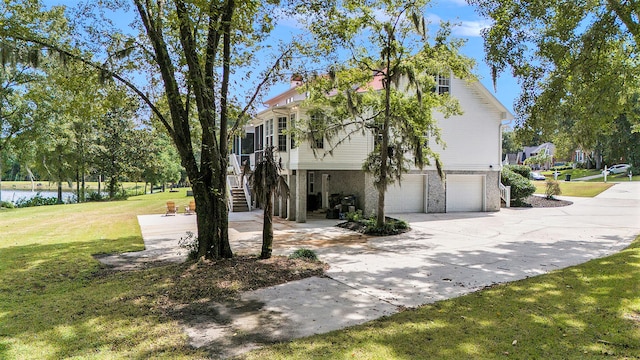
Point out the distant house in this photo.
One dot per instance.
(472, 159)
(546, 148)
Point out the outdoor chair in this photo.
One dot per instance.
(191, 208)
(171, 208)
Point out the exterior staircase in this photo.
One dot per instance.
(240, 197)
(239, 200)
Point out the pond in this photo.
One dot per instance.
(14, 195)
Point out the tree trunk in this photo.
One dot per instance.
(212, 242)
(267, 228)
(59, 192)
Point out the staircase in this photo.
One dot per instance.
(240, 197)
(239, 200)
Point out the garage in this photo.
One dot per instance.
(408, 197)
(465, 193)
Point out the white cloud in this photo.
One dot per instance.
(471, 28)
(458, 2)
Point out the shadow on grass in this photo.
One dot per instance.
(56, 302)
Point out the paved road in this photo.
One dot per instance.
(444, 256)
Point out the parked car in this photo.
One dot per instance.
(619, 168)
(537, 176)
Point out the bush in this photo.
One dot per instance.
(304, 254)
(521, 187)
(354, 216)
(553, 189)
(6, 204)
(189, 243)
(37, 200)
(391, 227)
(94, 196)
(522, 170)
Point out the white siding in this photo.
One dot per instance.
(472, 140)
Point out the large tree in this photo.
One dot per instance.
(406, 61)
(577, 62)
(190, 50)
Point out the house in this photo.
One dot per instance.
(471, 158)
(546, 149)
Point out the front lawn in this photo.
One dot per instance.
(58, 302)
(575, 188)
(590, 311)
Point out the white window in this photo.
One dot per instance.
(268, 133)
(292, 121)
(318, 138)
(443, 84)
(282, 135)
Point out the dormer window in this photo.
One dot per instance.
(443, 84)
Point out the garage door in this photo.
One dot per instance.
(406, 198)
(465, 193)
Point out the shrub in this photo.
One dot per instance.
(94, 196)
(6, 204)
(553, 189)
(37, 200)
(189, 243)
(390, 227)
(522, 170)
(304, 254)
(354, 216)
(521, 187)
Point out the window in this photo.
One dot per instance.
(282, 135)
(312, 181)
(318, 138)
(292, 121)
(258, 139)
(268, 130)
(443, 84)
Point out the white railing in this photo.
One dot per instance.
(505, 194)
(230, 194)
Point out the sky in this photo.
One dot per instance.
(469, 25)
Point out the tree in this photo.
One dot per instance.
(399, 55)
(190, 49)
(118, 143)
(266, 181)
(577, 62)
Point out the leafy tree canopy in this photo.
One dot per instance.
(577, 62)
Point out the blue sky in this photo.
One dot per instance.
(468, 28)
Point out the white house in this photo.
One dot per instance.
(471, 158)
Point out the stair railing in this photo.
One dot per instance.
(505, 194)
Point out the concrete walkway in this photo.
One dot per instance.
(444, 256)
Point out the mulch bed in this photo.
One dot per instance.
(541, 202)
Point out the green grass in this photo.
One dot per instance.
(575, 173)
(57, 302)
(590, 311)
(575, 188)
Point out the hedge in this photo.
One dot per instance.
(521, 186)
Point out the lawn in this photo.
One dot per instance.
(590, 311)
(575, 188)
(57, 301)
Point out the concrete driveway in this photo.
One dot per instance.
(447, 255)
(443, 256)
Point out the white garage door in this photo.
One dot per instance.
(406, 198)
(465, 193)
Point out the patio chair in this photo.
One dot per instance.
(171, 208)
(191, 208)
